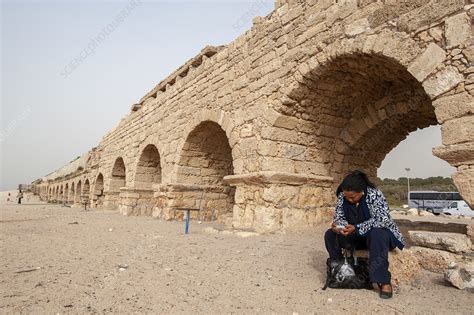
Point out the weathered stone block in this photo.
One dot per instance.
(458, 130)
(294, 219)
(469, 53)
(242, 219)
(457, 154)
(310, 197)
(357, 27)
(459, 278)
(292, 151)
(427, 62)
(457, 29)
(340, 11)
(287, 122)
(452, 242)
(275, 164)
(436, 33)
(443, 81)
(431, 11)
(453, 106)
(394, 9)
(268, 147)
(464, 179)
(281, 196)
(267, 219)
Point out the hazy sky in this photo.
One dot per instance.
(52, 112)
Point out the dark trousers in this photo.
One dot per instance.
(377, 241)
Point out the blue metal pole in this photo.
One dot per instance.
(187, 221)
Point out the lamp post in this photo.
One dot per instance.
(408, 180)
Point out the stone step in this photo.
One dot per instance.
(434, 225)
(451, 242)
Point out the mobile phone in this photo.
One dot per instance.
(340, 227)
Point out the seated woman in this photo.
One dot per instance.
(363, 212)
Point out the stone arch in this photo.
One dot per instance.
(61, 193)
(118, 175)
(138, 198)
(86, 191)
(148, 170)
(77, 196)
(72, 192)
(357, 99)
(98, 195)
(220, 118)
(206, 158)
(115, 182)
(66, 193)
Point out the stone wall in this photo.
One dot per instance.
(264, 128)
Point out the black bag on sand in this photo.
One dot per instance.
(348, 272)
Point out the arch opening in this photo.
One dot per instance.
(72, 192)
(413, 158)
(61, 194)
(148, 168)
(66, 193)
(118, 176)
(205, 159)
(360, 107)
(77, 196)
(85, 195)
(99, 190)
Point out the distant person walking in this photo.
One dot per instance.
(20, 196)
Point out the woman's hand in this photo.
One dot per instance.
(335, 229)
(348, 229)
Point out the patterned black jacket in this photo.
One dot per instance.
(379, 215)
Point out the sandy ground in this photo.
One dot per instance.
(65, 260)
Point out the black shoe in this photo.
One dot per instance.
(385, 294)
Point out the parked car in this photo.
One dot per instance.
(459, 207)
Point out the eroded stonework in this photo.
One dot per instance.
(259, 132)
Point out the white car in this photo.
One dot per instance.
(459, 207)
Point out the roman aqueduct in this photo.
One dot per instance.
(259, 132)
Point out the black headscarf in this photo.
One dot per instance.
(355, 181)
